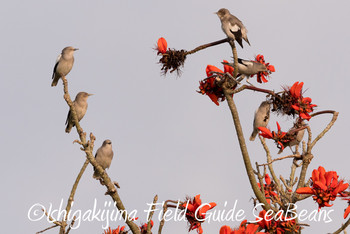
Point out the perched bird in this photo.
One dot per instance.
(103, 156)
(261, 118)
(232, 26)
(247, 68)
(298, 136)
(80, 105)
(64, 64)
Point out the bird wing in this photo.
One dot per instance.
(246, 63)
(234, 27)
(68, 117)
(55, 68)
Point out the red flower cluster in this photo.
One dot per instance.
(209, 87)
(277, 224)
(325, 187)
(119, 230)
(270, 68)
(196, 212)
(144, 227)
(162, 46)
(279, 137)
(269, 189)
(302, 105)
(244, 228)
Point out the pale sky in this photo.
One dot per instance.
(168, 139)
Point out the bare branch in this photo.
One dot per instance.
(207, 45)
(342, 228)
(155, 199)
(335, 116)
(46, 229)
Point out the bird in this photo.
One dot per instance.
(261, 118)
(247, 68)
(80, 105)
(64, 64)
(298, 136)
(103, 156)
(232, 26)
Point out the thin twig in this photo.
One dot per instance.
(342, 227)
(335, 116)
(207, 45)
(46, 229)
(155, 199)
(165, 208)
(269, 164)
(281, 158)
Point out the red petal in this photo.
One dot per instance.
(263, 79)
(162, 45)
(204, 209)
(295, 107)
(305, 190)
(305, 116)
(267, 179)
(320, 185)
(329, 176)
(265, 132)
(315, 175)
(214, 98)
(225, 230)
(278, 126)
(346, 213)
(211, 68)
(271, 68)
(292, 89)
(298, 89)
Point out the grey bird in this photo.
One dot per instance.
(80, 105)
(232, 26)
(247, 68)
(103, 156)
(261, 118)
(64, 64)
(299, 135)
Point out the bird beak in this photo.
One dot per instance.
(76, 49)
(90, 94)
(215, 13)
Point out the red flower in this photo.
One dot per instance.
(162, 45)
(269, 188)
(144, 227)
(280, 225)
(261, 75)
(302, 105)
(119, 230)
(195, 214)
(279, 137)
(325, 187)
(209, 87)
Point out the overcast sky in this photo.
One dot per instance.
(168, 139)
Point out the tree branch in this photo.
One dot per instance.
(89, 155)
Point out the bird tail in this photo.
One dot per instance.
(54, 81)
(252, 137)
(96, 175)
(246, 39)
(69, 128)
(239, 40)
